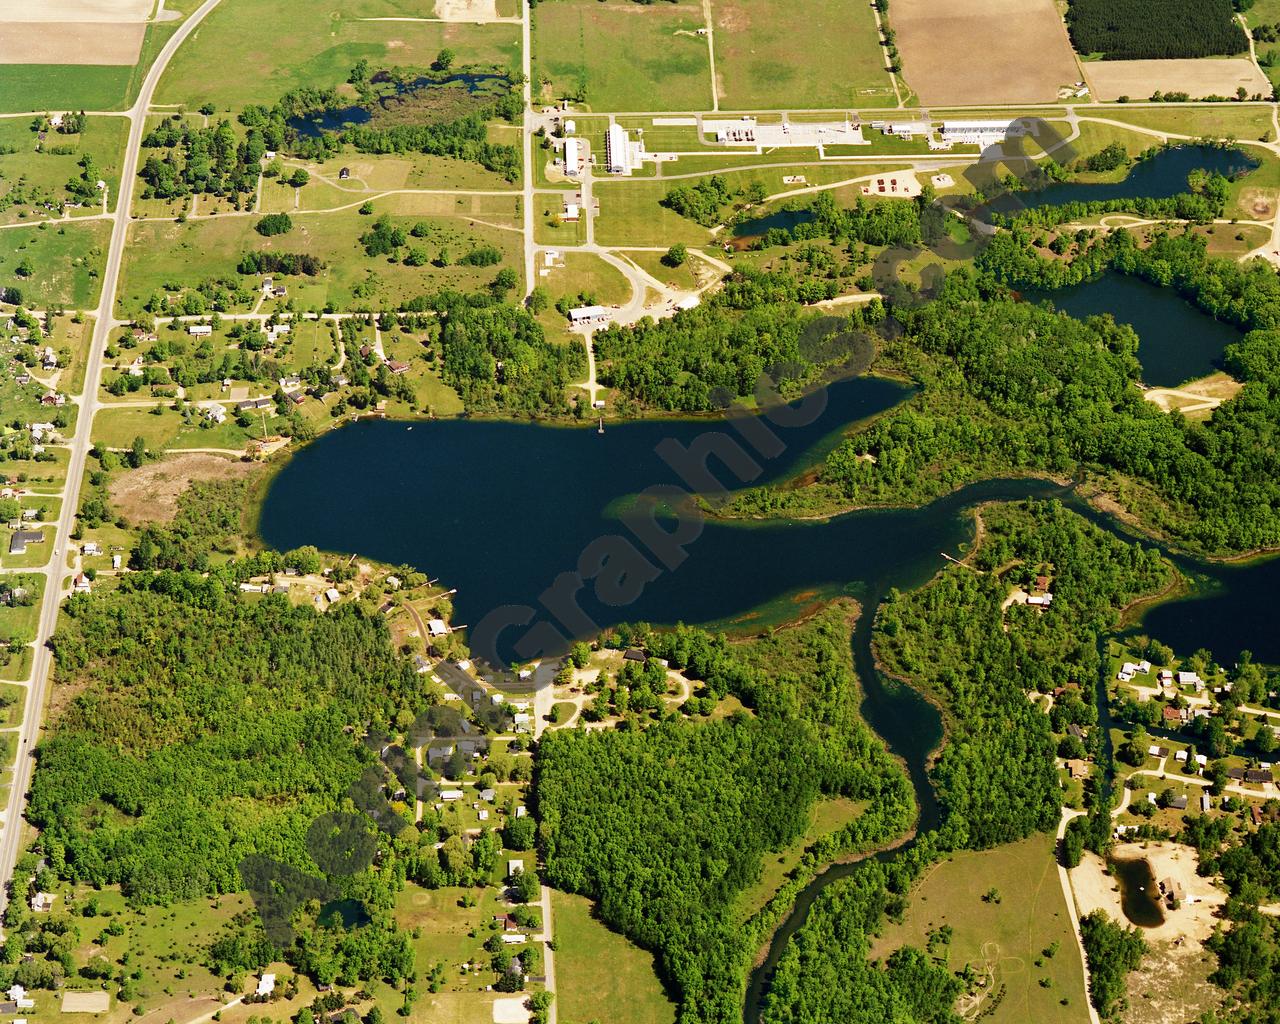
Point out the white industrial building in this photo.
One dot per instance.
(621, 154)
(981, 133)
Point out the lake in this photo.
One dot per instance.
(516, 515)
(1178, 341)
(1159, 177)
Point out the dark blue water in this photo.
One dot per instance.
(318, 122)
(1177, 341)
(787, 219)
(348, 913)
(1160, 177)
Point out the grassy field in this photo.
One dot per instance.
(42, 87)
(299, 45)
(19, 622)
(630, 214)
(163, 254)
(40, 175)
(767, 52)
(371, 174)
(116, 428)
(63, 262)
(600, 976)
(1217, 120)
(1005, 941)
(577, 45)
(584, 272)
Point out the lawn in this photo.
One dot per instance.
(586, 273)
(165, 253)
(631, 214)
(804, 53)
(116, 428)
(40, 175)
(1218, 120)
(55, 265)
(600, 976)
(19, 621)
(1005, 940)
(297, 45)
(577, 48)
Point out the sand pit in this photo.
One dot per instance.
(150, 494)
(1192, 922)
(86, 1002)
(467, 10)
(1139, 79)
(510, 1011)
(958, 52)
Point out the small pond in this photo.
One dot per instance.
(1177, 341)
(1139, 897)
(747, 231)
(348, 913)
(316, 123)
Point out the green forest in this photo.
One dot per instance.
(996, 778)
(1155, 29)
(664, 826)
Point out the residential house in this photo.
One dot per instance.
(91, 548)
(21, 538)
(266, 985)
(42, 903)
(200, 330)
(216, 413)
(1077, 768)
(81, 584)
(1258, 775)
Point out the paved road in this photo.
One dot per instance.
(37, 689)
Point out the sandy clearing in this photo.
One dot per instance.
(1197, 396)
(150, 494)
(467, 10)
(86, 1002)
(1139, 79)
(84, 43)
(1192, 922)
(983, 51)
(510, 1011)
(65, 11)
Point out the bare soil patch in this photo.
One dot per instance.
(149, 494)
(1207, 76)
(86, 1002)
(983, 51)
(467, 10)
(63, 11)
(29, 42)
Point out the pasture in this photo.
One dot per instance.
(33, 172)
(621, 56)
(802, 53)
(983, 51)
(299, 46)
(167, 256)
(55, 265)
(601, 976)
(1005, 941)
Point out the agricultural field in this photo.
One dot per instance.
(1216, 121)
(301, 47)
(95, 59)
(576, 48)
(1005, 939)
(1013, 51)
(767, 53)
(627, 992)
(167, 257)
(1198, 78)
(37, 162)
(55, 264)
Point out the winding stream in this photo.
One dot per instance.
(504, 511)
